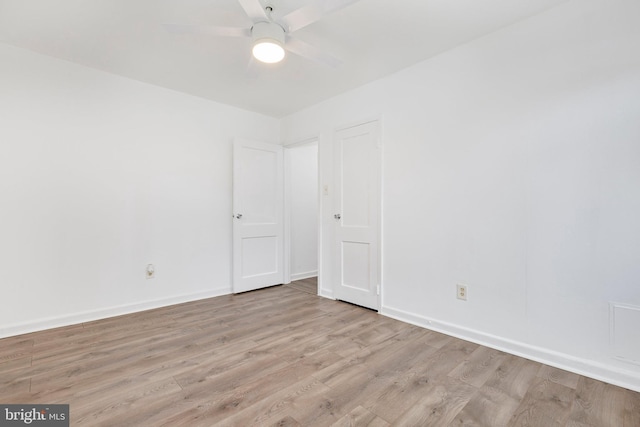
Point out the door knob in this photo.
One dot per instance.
(337, 216)
(238, 216)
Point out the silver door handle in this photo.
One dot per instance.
(337, 216)
(238, 216)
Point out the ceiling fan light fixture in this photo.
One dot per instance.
(268, 51)
(268, 42)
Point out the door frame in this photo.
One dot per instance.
(287, 207)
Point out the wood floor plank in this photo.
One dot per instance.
(54, 334)
(360, 417)
(16, 348)
(309, 285)
(488, 407)
(568, 379)
(283, 356)
(15, 362)
(547, 403)
(598, 404)
(631, 409)
(438, 340)
(287, 421)
(249, 393)
(479, 367)
(439, 405)
(514, 376)
(114, 405)
(213, 407)
(302, 398)
(501, 395)
(19, 387)
(416, 374)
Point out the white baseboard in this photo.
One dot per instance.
(326, 293)
(305, 275)
(88, 316)
(585, 367)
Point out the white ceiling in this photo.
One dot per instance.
(374, 38)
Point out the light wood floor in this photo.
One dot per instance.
(309, 285)
(285, 357)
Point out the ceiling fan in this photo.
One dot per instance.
(271, 37)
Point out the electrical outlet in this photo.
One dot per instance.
(462, 292)
(151, 271)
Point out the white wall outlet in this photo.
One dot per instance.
(325, 190)
(150, 271)
(461, 292)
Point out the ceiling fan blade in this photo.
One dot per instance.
(310, 52)
(208, 30)
(312, 12)
(254, 10)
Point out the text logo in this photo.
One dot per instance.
(34, 415)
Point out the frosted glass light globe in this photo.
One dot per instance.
(268, 51)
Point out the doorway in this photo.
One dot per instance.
(301, 212)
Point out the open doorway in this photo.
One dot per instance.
(301, 214)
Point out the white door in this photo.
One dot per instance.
(257, 215)
(357, 215)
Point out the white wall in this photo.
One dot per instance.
(512, 164)
(100, 175)
(303, 162)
